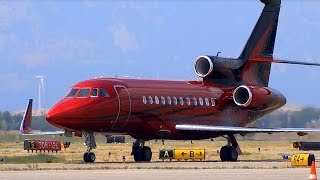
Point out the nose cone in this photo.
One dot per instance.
(56, 115)
(53, 116)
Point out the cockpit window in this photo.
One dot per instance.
(84, 92)
(103, 93)
(72, 92)
(94, 92)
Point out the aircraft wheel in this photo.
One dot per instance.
(142, 154)
(85, 157)
(224, 153)
(228, 153)
(137, 154)
(89, 157)
(146, 153)
(233, 154)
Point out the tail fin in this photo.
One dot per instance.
(260, 45)
(25, 127)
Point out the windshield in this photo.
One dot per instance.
(72, 92)
(103, 93)
(84, 92)
(94, 92)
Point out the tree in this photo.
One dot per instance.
(3, 125)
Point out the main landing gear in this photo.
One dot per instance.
(231, 151)
(90, 141)
(141, 152)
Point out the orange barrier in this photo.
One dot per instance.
(313, 172)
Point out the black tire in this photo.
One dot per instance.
(147, 153)
(233, 154)
(224, 151)
(85, 157)
(228, 153)
(91, 157)
(142, 154)
(137, 155)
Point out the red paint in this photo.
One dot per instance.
(157, 121)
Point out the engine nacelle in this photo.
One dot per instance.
(258, 97)
(203, 66)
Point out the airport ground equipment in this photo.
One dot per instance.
(115, 139)
(306, 146)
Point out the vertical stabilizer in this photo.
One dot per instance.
(260, 45)
(25, 127)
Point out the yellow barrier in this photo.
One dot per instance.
(189, 154)
(302, 159)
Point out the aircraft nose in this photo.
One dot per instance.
(54, 115)
(50, 115)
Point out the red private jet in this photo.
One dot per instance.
(231, 94)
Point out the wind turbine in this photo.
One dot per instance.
(41, 92)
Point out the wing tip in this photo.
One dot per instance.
(25, 126)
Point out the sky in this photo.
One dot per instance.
(70, 41)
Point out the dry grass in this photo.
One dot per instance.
(269, 150)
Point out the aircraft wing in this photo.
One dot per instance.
(242, 130)
(25, 127)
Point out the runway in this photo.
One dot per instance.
(147, 174)
(180, 165)
(245, 170)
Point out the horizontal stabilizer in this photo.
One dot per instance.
(284, 61)
(25, 127)
(243, 130)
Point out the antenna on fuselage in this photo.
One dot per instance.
(218, 53)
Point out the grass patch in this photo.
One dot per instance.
(38, 158)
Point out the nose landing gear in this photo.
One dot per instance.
(91, 144)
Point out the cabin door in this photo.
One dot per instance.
(124, 107)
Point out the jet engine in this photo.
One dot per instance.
(203, 66)
(258, 97)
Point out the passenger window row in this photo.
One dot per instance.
(175, 101)
(85, 92)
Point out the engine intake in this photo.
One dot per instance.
(258, 97)
(203, 66)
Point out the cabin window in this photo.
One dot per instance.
(213, 102)
(156, 99)
(163, 100)
(144, 100)
(84, 92)
(188, 101)
(207, 101)
(175, 101)
(94, 92)
(150, 100)
(201, 101)
(181, 100)
(72, 92)
(195, 102)
(169, 100)
(103, 93)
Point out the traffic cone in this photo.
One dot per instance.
(313, 173)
